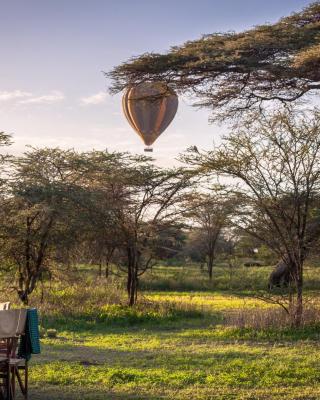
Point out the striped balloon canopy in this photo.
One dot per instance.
(149, 108)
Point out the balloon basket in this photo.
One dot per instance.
(148, 149)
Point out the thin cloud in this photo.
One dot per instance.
(97, 98)
(50, 98)
(13, 95)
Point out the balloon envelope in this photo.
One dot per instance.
(150, 107)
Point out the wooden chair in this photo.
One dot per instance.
(6, 381)
(19, 371)
(12, 368)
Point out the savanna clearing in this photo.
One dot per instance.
(186, 338)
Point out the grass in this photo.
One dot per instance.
(174, 364)
(176, 344)
(191, 278)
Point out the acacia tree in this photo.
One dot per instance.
(99, 196)
(276, 165)
(234, 72)
(33, 213)
(152, 203)
(210, 213)
(126, 206)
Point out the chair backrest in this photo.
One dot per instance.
(8, 347)
(12, 325)
(5, 306)
(12, 322)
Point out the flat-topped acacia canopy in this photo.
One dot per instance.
(234, 72)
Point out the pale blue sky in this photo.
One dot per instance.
(53, 52)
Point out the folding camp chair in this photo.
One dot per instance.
(12, 368)
(6, 348)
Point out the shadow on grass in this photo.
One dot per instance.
(77, 393)
(130, 319)
(95, 356)
(54, 393)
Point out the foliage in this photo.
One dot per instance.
(275, 164)
(210, 213)
(63, 207)
(152, 207)
(234, 72)
(32, 214)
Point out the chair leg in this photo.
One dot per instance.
(23, 387)
(23, 384)
(13, 383)
(4, 379)
(26, 381)
(8, 384)
(2, 389)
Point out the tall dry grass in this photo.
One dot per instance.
(266, 318)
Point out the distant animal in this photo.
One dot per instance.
(280, 276)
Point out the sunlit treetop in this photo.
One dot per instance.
(235, 72)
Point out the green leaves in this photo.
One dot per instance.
(232, 73)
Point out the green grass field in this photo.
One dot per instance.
(175, 344)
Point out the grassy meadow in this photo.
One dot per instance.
(188, 338)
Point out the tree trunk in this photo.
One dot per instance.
(100, 269)
(108, 259)
(132, 286)
(211, 252)
(299, 309)
(297, 302)
(133, 291)
(132, 278)
(210, 268)
(210, 265)
(23, 294)
(298, 312)
(107, 271)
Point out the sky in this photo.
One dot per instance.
(53, 53)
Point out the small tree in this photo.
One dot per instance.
(195, 247)
(276, 166)
(99, 197)
(33, 213)
(153, 197)
(210, 213)
(128, 204)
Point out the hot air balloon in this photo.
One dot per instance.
(149, 108)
